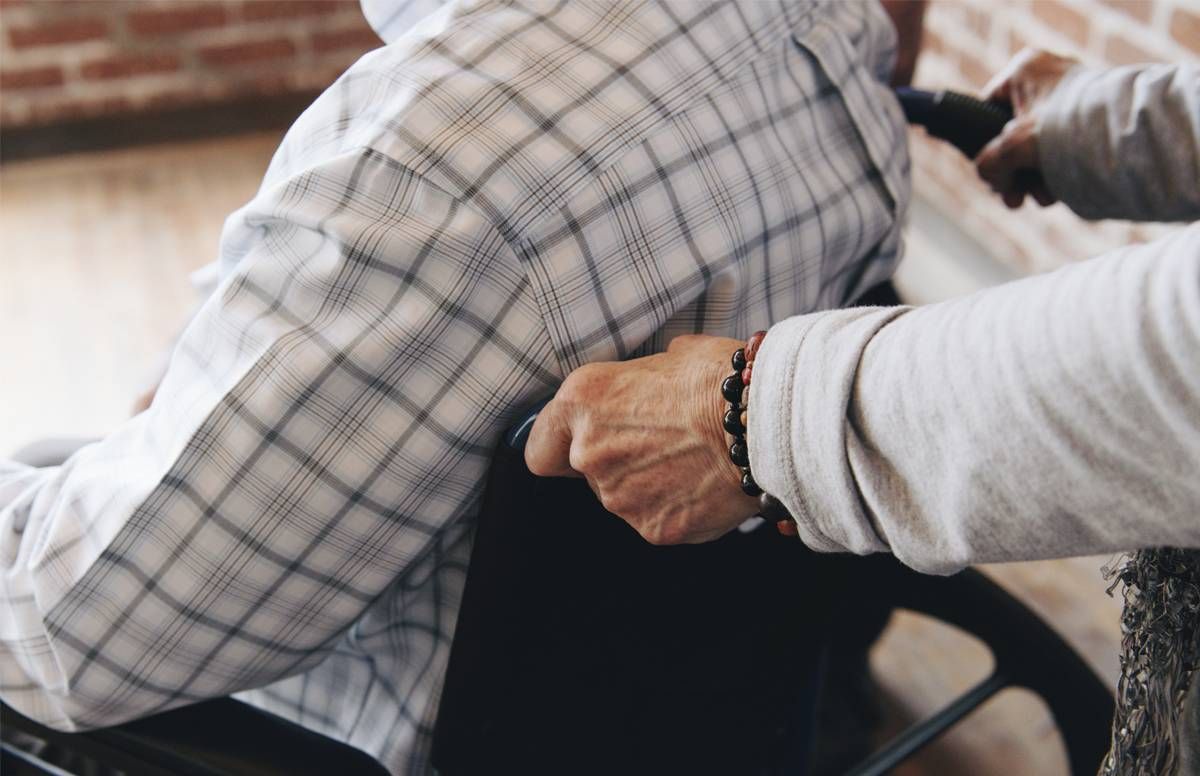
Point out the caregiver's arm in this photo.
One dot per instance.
(1109, 142)
(1053, 416)
(1057, 415)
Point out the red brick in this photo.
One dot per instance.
(182, 98)
(974, 70)
(1138, 9)
(267, 83)
(1016, 41)
(31, 78)
(56, 33)
(361, 38)
(1185, 28)
(165, 100)
(176, 19)
(247, 53)
(931, 40)
(325, 77)
(129, 65)
(70, 110)
(259, 10)
(1120, 50)
(1063, 19)
(977, 22)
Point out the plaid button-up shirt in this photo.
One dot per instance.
(505, 191)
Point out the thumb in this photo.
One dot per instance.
(548, 451)
(998, 89)
(1001, 159)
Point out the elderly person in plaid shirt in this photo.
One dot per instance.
(501, 194)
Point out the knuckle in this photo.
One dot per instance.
(1027, 56)
(570, 386)
(533, 461)
(580, 458)
(581, 384)
(1042, 56)
(590, 449)
(612, 502)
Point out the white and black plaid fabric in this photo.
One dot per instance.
(504, 192)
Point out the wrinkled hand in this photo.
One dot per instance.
(1010, 163)
(647, 436)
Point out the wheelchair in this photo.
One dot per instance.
(580, 648)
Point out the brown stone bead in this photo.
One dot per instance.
(746, 375)
(787, 528)
(753, 344)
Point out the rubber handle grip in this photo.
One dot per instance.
(518, 433)
(963, 121)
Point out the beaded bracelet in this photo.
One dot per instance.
(735, 390)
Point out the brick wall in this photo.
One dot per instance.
(966, 41)
(72, 59)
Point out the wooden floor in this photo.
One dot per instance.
(93, 283)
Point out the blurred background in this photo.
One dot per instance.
(130, 129)
(66, 61)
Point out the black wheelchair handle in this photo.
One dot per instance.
(962, 121)
(518, 433)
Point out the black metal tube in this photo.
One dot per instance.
(916, 737)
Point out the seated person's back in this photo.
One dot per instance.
(504, 192)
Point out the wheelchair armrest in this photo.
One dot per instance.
(220, 736)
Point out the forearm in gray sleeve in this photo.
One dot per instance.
(1057, 415)
(1124, 142)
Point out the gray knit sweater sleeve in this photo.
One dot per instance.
(1124, 142)
(1057, 415)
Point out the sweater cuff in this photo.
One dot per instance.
(1064, 153)
(803, 384)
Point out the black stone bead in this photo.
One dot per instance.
(739, 453)
(732, 387)
(739, 360)
(733, 421)
(749, 486)
(771, 509)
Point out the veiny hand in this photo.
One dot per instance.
(1010, 163)
(647, 435)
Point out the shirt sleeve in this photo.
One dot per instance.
(1124, 142)
(328, 412)
(1057, 415)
